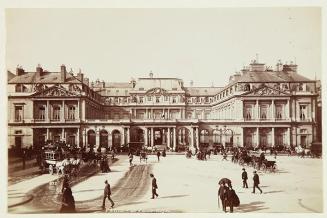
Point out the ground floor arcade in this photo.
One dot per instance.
(165, 136)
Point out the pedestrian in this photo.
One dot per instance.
(230, 199)
(67, 201)
(107, 194)
(222, 194)
(24, 158)
(158, 155)
(245, 178)
(164, 153)
(65, 183)
(256, 182)
(224, 156)
(130, 156)
(154, 186)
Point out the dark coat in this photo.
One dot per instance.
(154, 183)
(222, 192)
(107, 190)
(244, 175)
(68, 201)
(256, 179)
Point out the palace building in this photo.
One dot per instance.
(259, 106)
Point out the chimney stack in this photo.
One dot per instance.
(63, 73)
(290, 67)
(39, 71)
(80, 75)
(19, 71)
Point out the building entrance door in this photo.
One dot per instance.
(303, 140)
(18, 142)
(158, 137)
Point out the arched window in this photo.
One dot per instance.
(216, 137)
(204, 136)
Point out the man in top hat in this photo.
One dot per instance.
(245, 178)
(256, 182)
(154, 186)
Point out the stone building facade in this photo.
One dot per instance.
(258, 107)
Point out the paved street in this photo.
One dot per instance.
(190, 185)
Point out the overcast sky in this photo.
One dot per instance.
(203, 45)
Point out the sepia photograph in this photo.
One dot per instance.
(163, 110)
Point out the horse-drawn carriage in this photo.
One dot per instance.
(143, 156)
(55, 160)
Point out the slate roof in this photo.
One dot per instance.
(271, 76)
(202, 91)
(47, 77)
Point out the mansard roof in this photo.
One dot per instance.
(202, 91)
(271, 76)
(118, 85)
(47, 77)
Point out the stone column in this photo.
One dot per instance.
(97, 138)
(197, 137)
(127, 135)
(62, 117)
(174, 138)
(77, 138)
(152, 137)
(146, 136)
(47, 112)
(256, 110)
(63, 134)
(192, 137)
(168, 137)
(272, 136)
(242, 137)
(78, 110)
(258, 137)
(288, 135)
(273, 109)
(48, 135)
(83, 110)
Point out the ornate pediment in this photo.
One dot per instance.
(156, 91)
(265, 91)
(54, 91)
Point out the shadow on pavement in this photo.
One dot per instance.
(271, 192)
(173, 196)
(251, 207)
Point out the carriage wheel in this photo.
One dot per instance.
(51, 169)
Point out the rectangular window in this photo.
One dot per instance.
(149, 98)
(71, 113)
(279, 112)
(56, 113)
(157, 99)
(248, 113)
(18, 113)
(303, 112)
(174, 99)
(166, 98)
(263, 112)
(42, 113)
(141, 99)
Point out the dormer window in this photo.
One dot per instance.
(20, 88)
